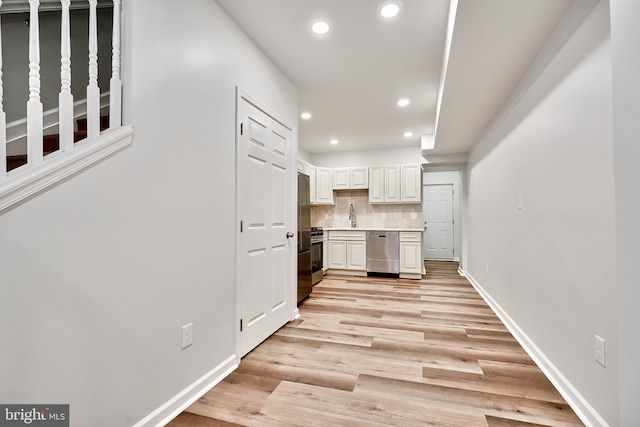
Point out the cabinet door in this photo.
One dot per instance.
(341, 179)
(325, 252)
(312, 182)
(337, 254)
(376, 184)
(410, 258)
(359, 178)
(324, 187)
(356, 255)
(411, 187)
(392, 184)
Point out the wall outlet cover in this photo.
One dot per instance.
(187, 335)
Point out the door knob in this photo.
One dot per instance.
(289, 234)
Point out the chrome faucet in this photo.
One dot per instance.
(352, 216)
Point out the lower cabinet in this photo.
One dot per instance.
(356, 256)
(347, 250)
(347, 253)
(411, 262)
(325, 252)
(337, 254)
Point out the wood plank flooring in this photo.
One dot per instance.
(369, 351)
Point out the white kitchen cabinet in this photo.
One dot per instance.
(411, 184)
(356, 255)
(351, 178)
(300, 165)
(395, 184)
(337, 254)
(311, 171)
(376, 184)
(359, 178)
(341, 178)
(411, 263)
(348, 251)
(324, 186)
(392, 184)
(325, 252)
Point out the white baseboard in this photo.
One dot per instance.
(587, 414)
(181, 401)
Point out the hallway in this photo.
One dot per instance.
(371, 351)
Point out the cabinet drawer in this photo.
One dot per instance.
(347, 235)
(410, 236)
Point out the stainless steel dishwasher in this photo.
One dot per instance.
(383, 252)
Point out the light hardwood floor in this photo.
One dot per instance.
(387, 352)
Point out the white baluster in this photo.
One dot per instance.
(65, 99)
(93, 91)
(3, 121)
(34, 105)
(115, 101)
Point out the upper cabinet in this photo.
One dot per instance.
(359, 178)
(311, 171)
(411, 184)
(395, 184)
(324, 186)
(392, 184)
(376, 184)
(386, 184)
(351, 178)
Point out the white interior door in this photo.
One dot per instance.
(265, 251)
(438, 218)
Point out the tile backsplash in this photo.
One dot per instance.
(366, 214)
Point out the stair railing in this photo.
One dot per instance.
(41, 171)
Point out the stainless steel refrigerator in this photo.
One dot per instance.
(304, 237)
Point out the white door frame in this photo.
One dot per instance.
(242, 94)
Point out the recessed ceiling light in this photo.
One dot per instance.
(389, 10)
(305, 115)
(320, 27)
(334, 141)
(408, 134)
(403, 102)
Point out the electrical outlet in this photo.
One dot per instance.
(383, 215)
(187, 335)
(600, 351)
(414, 215)
(486, 269)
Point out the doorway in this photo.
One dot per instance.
(438, 221)
(266, 247)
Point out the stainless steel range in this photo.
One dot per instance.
(316, 254)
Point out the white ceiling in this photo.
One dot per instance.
(351, 78)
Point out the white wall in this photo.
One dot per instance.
(552, 263)
(99, 274)
(625, 40)
(374, 157)
(449, 175)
